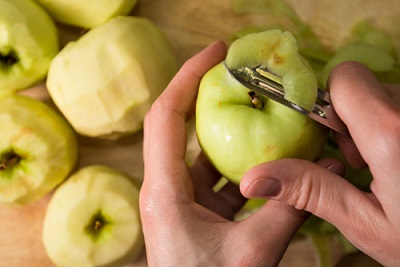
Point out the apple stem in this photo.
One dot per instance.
(97, 225)
(255, 100)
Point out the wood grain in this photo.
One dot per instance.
(189, 26)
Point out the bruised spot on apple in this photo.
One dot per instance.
(240, 129)
(278, 60)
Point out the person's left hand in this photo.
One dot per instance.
(184, 222)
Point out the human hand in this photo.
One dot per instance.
(184, 222)
(368, 220)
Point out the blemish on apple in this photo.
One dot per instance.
(22, 132)
(278, 59)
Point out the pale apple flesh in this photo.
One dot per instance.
(277, 52)
(105, 82)
(38, 150)
(236, 136)
(93, 219)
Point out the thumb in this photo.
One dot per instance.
(308, 186)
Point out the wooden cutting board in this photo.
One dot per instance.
(189, 26)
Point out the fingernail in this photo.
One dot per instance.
(264, 188)
(337, 169)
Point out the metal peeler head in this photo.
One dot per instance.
(264, 82)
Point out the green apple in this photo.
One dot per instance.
(93, 220)
(38, 149)
(86, 14)
(234, 134)
(105, 82)
(28, 43)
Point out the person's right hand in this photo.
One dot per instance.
(369, 220)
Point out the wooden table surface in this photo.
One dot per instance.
(189, 26)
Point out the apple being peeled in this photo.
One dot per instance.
(38, 149)
(105, 82)
(28, 43)
(88, 13)
(237, 135)
(93, 220)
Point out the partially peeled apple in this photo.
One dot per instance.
(236, 135)
(105, 82)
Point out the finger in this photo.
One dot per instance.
(226, 202)
(350, 151)
(307, 186)
(146, 137)
(165, 131)
(270, 229)
(371, 114)
(332, 165)
(203, 173)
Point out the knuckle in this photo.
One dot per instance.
(304, 194)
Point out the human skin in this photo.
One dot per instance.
(369, 220)
(184, 222)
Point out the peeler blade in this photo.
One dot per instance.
(263, 82)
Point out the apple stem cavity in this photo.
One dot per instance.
(96, 224)
(8, 59)
(8, 160)
(255, 100)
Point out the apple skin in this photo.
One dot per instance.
(235, 136)
(92, 190)
(45, 143)
(87, 14)
(30, 37)
(105, 82)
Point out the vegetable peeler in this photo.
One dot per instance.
(264, 82)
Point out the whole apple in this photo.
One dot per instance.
(105, 82)
(28, 43)
(236, 135)
(88, 13)
(38, 149)
(93, 219)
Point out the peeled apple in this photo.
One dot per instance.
(105, 82)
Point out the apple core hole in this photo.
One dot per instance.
(96, 224)
(8, 160)
(8, 59)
